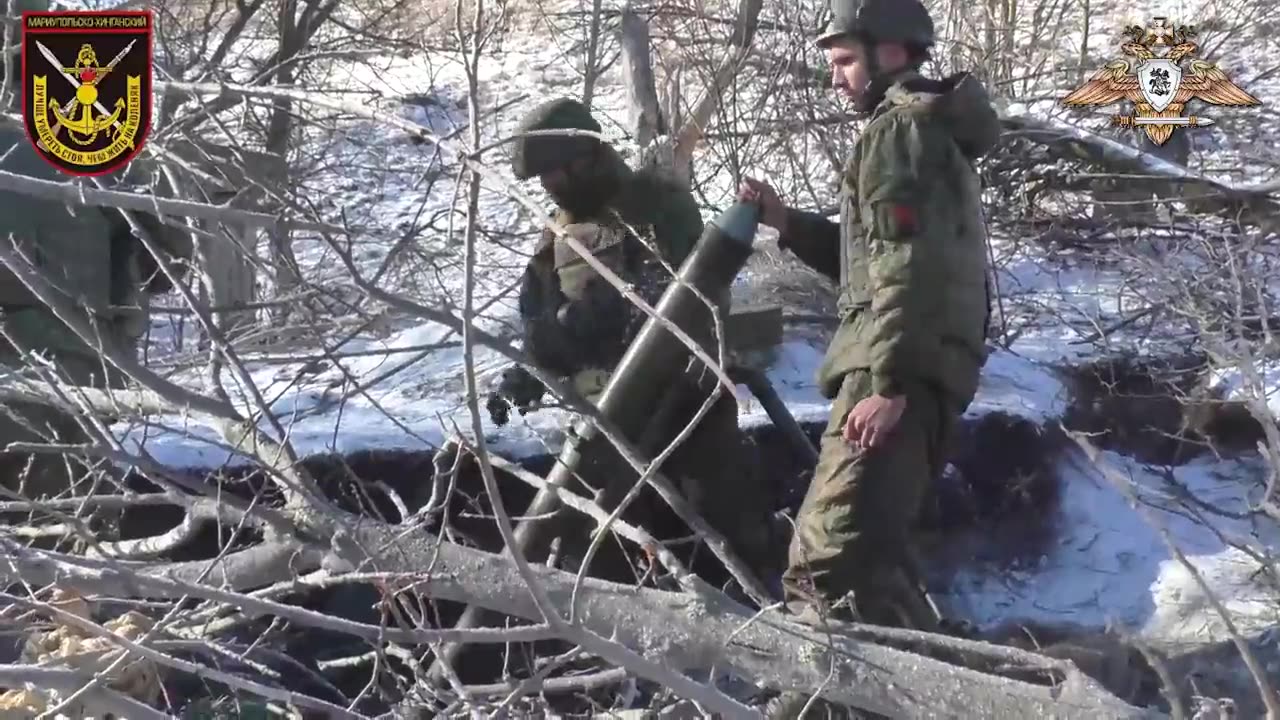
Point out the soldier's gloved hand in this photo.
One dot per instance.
(518, 389)
(499, 409)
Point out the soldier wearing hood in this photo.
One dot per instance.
(909, 256)
(97, 267)
(578, 326)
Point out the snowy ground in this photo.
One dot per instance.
(1111, 566)
(1108, 564)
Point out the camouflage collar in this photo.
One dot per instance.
(899, 92)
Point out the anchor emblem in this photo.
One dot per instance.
(86, 116)
(89, 73)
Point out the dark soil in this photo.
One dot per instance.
(1157, 411)
(989, 486)
(1000, 487)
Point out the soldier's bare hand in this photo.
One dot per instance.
(772, 211)
(872, 419)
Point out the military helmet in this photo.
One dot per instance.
(875, 21)
(536, 155)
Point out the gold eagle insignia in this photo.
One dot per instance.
(1157, 84)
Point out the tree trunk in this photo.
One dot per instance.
(229, 267)
(1084, 42)
(284, 265)
(644, 113)
(1010, 40)
(691, 131)
(689, 631)
(225, 255)
(592, 69)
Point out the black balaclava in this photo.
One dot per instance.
(589, 186)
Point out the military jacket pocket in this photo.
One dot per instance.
(846, 353)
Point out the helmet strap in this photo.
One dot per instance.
(878, 81)
(873, 61)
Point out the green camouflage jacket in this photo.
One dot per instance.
(90, 254)
(909, 251)
(573, 318)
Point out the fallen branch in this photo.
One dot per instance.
(258, 566)
(693, 631)
(1077, 144)
(199, 514)
(684, 631)
(570, 683)
(72, 572)
(73, 194)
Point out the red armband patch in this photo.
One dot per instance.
(904, 216)
(895, 221)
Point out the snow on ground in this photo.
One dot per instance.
(1106, 564)
(426, 402)
(1110, 566)
(1261, 382)
(1015, 385)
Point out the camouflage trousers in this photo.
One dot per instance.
(854, 526)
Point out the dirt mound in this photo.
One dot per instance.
(999, 473)
(1158, 410)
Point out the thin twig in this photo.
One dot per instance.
(1256, 669)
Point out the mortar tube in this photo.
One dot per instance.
(653, 359)
(657, 358)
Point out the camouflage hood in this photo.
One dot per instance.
(960, 102)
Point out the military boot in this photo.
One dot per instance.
(893, 599)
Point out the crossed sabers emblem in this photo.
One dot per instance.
(84, 76)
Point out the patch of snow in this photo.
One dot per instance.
(1184, 612)
(1109, 565)
(1018, 386)
(423, 403)
(793, 374)
(1235, 384)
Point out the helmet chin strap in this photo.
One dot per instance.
(878, 82)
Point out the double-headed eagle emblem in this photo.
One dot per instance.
(1157, 86)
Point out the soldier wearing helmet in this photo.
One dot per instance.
(576, 325)
(908, 254)
(96, 265)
